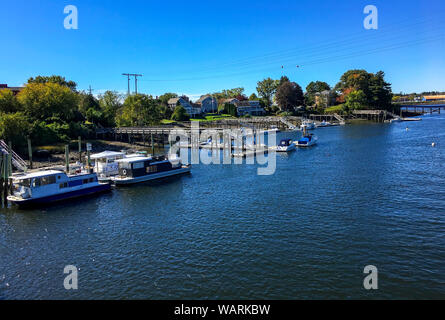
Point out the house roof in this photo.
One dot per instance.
(203, 98)
(173, 100)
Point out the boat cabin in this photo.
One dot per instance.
(285, 143)
(142, 166)
(105, 164)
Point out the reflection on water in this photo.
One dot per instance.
(367, 194)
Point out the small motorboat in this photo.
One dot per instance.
(308, 140)
(324, 124)
(307, 125)
(286, 145)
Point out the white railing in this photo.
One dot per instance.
(17, 161)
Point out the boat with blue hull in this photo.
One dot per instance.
(46, 187)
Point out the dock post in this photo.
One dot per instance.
(67, 158)
(152, 145)
(10, 160)
(30, 153)
(80, 149)
(2, 164)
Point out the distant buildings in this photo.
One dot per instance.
(209, 104)
(15, 90)
(252, 108)
(191, 110)
(324, 99)
(434, 98)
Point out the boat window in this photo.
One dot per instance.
(152, 169)
(91, 180)
(138, 165)
(85, 181)
(63, 185)
(25, 182)
(125, 165)
(47, 180)
(36, 182)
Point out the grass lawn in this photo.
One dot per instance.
(213, 117)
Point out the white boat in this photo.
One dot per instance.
(286, 145)
(308, 140)
(141, 169)
(324, 124)
(307, 125)
(44, 187)
(105, 163)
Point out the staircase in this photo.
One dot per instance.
(18, 162)
(339, 119)
(287, 123)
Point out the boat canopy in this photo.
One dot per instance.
(38, 174)
(285, 142)
(134, 159)
(107, 155)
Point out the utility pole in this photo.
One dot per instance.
(136, 81)
(128, 75)
(90, 90)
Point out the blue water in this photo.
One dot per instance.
(368, 194)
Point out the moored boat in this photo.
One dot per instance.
(308, 140)
(45, 187)
(286, 145)
(307, 125)
(141, 169)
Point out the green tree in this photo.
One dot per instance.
(54, 79)
(167, 96)
(356, 100)
(253, 97)
(8, 101)
(14, 127)
(289, 95)
(110, 102)
(380, 92)
(266, 90)
(86, 102)
(180, 114)
(43, 101)
(138, 110)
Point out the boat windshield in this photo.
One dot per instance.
(23, 182)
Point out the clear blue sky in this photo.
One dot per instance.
(196, 47)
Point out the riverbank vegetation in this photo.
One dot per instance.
(51, 110)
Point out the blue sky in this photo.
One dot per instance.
(196, 47)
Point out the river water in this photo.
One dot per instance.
(368, 194)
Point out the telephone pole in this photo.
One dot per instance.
(128, 75)
(90, 90)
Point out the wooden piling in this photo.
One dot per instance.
(30, 153)
(67, 159)
(80, 149)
